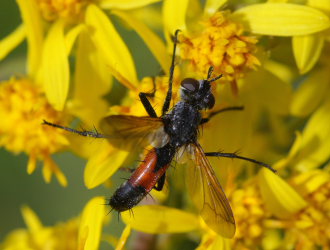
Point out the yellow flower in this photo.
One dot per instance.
(78, 233)
(307, 25)
(23, 107)
(220, 44)
(70, 20)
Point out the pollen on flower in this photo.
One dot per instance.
(67, 9)
(23, 107)
(311, 225)
(220, 44)
(250, 214)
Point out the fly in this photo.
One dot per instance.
(177, 128)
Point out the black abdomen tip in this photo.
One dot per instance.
(126, 197)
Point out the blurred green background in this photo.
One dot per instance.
(51, 202)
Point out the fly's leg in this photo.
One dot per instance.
(234, 108)
(94, 134)
(168, 98)
(235, 156)
(146, 103)
(160, 184)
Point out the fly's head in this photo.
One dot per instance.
(197, 93)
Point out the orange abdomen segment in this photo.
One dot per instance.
(148, 173)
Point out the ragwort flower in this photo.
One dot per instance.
(23, 107)
(83, 232)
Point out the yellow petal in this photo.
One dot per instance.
(212, 241)
(111, 46)
(212, 6)
(155, 44)
(103, 165)
(282, 71)
(160, 219)
(125, 4)
(71, 37)
(12, 41)
(55, 74)
(281, 199)
(34, 31)
(310, 93)
(174, 15)
(282, 19)
(320, 4)
(32, 164)
(310, 181)
(314, 148)
(88, 104)
(31, 219)
(90, 228)
(307, 50)
(123, 238)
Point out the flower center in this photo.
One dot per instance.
(221, 45)
(68, 9)
(23, 107)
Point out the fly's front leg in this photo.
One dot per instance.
(234, 108)
(146, 103)
(168, 98)
(235, 156)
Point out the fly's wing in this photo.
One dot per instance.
(125, 131)
(208, 195)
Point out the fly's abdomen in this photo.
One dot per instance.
(139, 184)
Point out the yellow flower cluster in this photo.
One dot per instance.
(71, 66)
(220, 44)
(68, 9)
(23, 107)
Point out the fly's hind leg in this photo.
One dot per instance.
(160, 184)
(235, 156)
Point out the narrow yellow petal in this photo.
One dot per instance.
(281, 199)
(310, 93)
(174, 15)
(111, 46)
(212, 6)
(307, 50)
(103, 165)
(155, 44)
(91, 68)
(125, 4)
(90, 228)
(55, 74)
(314, 148)
(71, 37)
(31, 219)
(282, 19)
(160, 219)
(123, 238)
(12, 41)
(34, 31)
(282, 71)
(32, 164)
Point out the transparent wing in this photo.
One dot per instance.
(126, 131)
(208, 195)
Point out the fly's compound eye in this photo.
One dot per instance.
(209, 101)
(190, 84)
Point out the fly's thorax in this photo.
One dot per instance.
(181, 124)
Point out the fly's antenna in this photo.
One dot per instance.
(170, 80)
(209, 74)
(94, 134)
